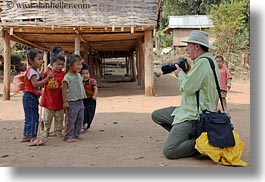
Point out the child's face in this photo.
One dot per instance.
(77, 66)
(85, 74)
(58, 65)
(220, 62)
(37, 62)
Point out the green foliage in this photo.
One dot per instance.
(19, 50)
(166, 40)
(231, 26)
(189, 7)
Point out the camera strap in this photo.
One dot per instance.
(216, 82)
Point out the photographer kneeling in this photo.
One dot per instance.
(180, 120)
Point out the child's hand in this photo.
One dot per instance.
(50, 76)
(65, 105)
(94, 97)
(228, 87)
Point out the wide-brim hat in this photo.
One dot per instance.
(200, 37)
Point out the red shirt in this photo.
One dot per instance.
(52, 96)
(224, 76)
(89, 87)
(28, 84)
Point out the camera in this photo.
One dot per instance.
(170, 67)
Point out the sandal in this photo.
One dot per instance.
(36, 142)
(70, 140)
(25, 139)
(77, 138)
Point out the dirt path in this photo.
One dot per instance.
(122, 134)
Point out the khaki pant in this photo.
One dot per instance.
(58, 116)
(179, 142)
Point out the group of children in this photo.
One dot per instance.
(67, 95)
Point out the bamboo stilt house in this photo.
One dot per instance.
(96, 28)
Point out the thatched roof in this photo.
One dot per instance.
(107, 25)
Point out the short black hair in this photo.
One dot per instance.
(85, 67)
(32, 53)
(56, 50)
(71, 59)
(57, 57)
(219, 56)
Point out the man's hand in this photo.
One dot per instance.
(177, 70)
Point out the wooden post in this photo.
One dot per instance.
(132, 68)
(91, 64)
(137, 65)
(86, 53)
(127, 65)
(148, 63)
(141, 74)
(97, 69)
(45, 60)
(77, 44)
(100, 67)
(7, 66)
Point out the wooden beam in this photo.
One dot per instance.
(42, 29)
(25, 42)
(7, 66)
(148, 63)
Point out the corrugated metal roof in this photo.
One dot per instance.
(190, 21)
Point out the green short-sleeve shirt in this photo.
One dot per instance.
(75, 89)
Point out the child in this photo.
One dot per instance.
(55, 50)
(225, 80)
(73, 94)
(52, 97)
(91, 90)
(31, 94)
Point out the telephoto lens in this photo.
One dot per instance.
(170, 67)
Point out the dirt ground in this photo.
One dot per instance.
(122, 133)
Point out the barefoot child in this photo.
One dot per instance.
(225, 80)
(73, 94)
(31, 95)
(91, 89)
(52, 100)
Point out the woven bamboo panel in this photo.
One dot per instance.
(90, 13)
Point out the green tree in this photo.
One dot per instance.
(189, 7)
(231, 26)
